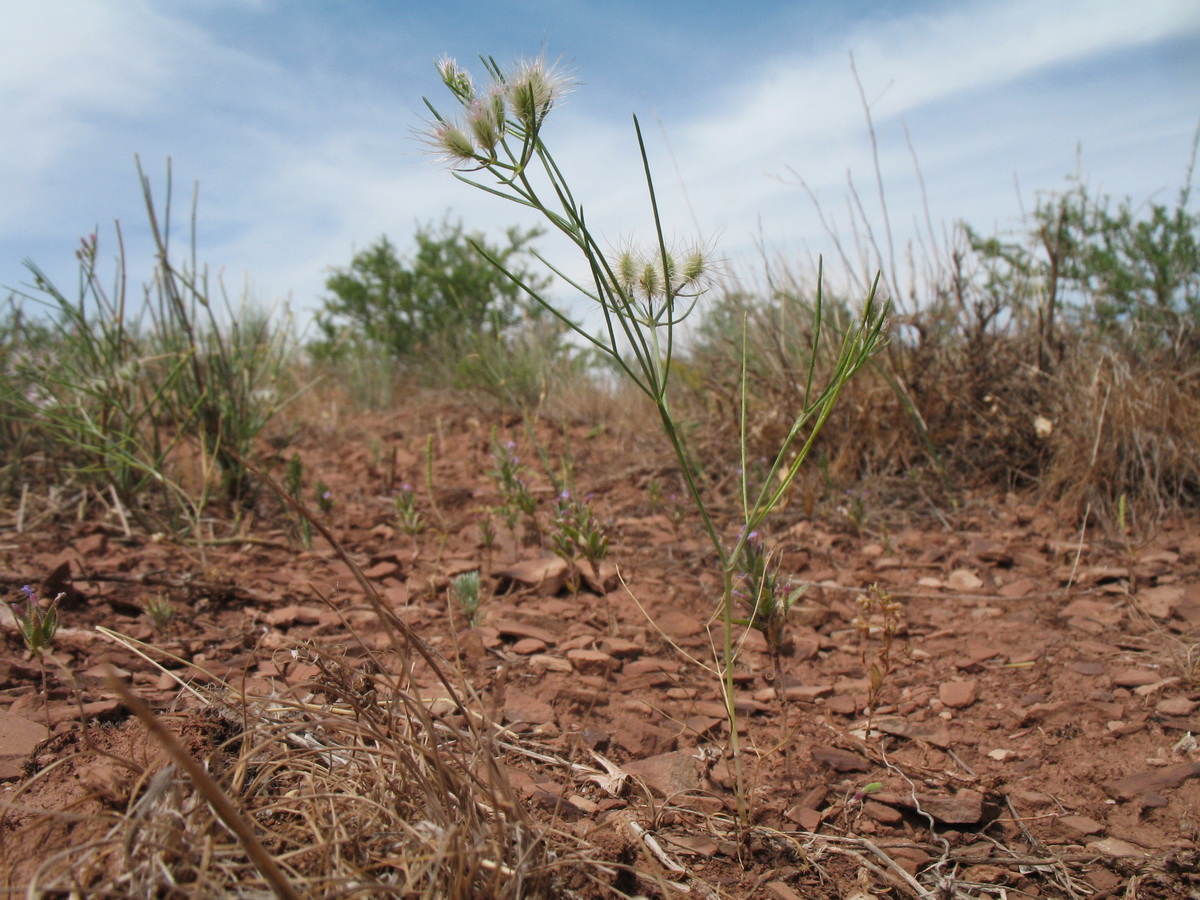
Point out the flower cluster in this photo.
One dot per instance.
(517, 103)
(647, 276)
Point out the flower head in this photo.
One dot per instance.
(457, 79)
(534, 90)
(452, 143)
(485, 118)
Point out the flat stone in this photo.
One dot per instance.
(807, 693)
(959, 694)
(1080, 824)
(806, 817)
(845, 705)
(839, 760)
(592, 662)
(620, 648)
(691, 844)
(528, 646)
(514, 628)
(293, 615)
(1115, 848)
(543, 662)
(882, 813)
(964, 580)
(1139, 783)
(964, 808)
(1135, 678)
(18, 738)
(1014, 590)
(649, 665)
(989, 551)
(382, 569)
(548, 572)
(668, 773)
(520, 707)
(1094, 611)
(1175, 706)
(779, 890)
(1159, 602)
(934, 732)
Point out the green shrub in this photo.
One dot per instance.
(431, 307)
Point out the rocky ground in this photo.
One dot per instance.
(1032, 733)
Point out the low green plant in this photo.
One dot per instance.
(467, 594)
(642, 295)
(575, 534)
(510, 478)
(410, 520)
(293, 479)
(160, 609)
(37, 627)
(324, 495)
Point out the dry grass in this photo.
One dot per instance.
(353, 787)
(964, 397)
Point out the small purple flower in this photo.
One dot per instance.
(30, 593)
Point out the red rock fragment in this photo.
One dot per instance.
(592, 662)
(668, 773)
(1139, 783)
(959, 694)
(839, 760)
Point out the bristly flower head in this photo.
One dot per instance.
(534, 89)
(452, 143)
(485, 118)
(457, 79)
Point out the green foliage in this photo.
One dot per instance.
(1114, 268)
(445, 298)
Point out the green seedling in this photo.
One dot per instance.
(160, 609)
(293, 478)
(508, 473)
(576, 535)
(467, 594)
(37, 628)
(487, 529)
(324, 497)
(410, 520)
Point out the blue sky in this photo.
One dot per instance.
(297, 119)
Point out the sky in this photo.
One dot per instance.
(299, 121)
